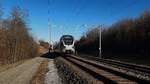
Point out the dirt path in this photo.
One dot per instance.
(22, 74)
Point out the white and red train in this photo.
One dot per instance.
(66, 44)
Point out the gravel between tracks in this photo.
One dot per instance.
(52, 75)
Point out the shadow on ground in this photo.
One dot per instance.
(50, 55)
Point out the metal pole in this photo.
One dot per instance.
(49, 33)
(100, 55)
(49, 27)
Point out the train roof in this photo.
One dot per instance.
(66, 36)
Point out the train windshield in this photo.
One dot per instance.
(68, 40)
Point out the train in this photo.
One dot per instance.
(67, 44)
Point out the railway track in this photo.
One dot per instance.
(104, 73)
(139, 70)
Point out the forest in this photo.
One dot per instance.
(127, 37)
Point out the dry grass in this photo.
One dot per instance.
(40, 74)
(9, 66)
(42, 50)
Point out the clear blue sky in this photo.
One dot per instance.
(74, 16)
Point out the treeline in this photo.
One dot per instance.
(16, 43)
(89, 42)
(44, 44)
(128, 36)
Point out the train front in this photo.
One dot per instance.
(67, 44)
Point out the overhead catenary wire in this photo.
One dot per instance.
(77, 13)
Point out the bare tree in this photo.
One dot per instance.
(15, 41)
